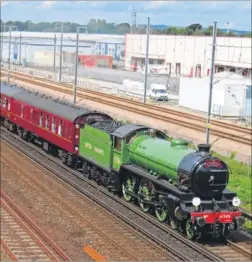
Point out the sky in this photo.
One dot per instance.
(171, 13)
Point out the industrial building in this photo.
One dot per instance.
(89, 44)
(189, 55)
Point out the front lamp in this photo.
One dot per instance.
(196, 201)
(236, 201)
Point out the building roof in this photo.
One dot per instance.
(54, 106)
(68, 36)
(125, 130)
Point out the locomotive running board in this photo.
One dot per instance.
(172, 189)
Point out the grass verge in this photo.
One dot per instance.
(240, 181)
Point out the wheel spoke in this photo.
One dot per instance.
(127, 188)
(144, 193)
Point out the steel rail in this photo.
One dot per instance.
(155, 107)
(141, 109)
(240, 249)
(246, 213)
(196, 247)
(208, 252)
(36, 233)
(88, 221)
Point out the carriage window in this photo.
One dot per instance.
(9, 105)
(4, 102)
(31, 114)
(60, 128)
(41, 119)
(47, 121)
(117, 144)
(22, 110)
(53, 125)
(66, 130)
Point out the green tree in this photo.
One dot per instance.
(92, 26)
(195, 27)
(247, 35)
(209, 31)
(123, 28)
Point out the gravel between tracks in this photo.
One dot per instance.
(243, 151)
(52, 213)
(194, 254)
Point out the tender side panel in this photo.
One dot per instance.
(96, 145)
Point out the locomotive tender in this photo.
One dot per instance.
(182, 186)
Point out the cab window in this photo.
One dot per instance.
(118, 144)
(130, 138)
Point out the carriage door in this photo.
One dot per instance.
(117, 153)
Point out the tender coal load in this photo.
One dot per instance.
(107, 126)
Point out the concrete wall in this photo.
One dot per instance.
(189, 51)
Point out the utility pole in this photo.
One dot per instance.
(133, 25)
(76, 59)
(211, 83)
(2, 36)
(10, 28)
(9, 54)
(54, 53)
(76, 63)
(61, 47)
(146, 59)
(20, 48)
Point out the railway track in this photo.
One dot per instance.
(232, 251)
(120, 240)
(21, 239)
(220, 129)
(176, 244)
(246, 214)
(144, 223)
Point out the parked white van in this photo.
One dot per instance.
(158, 92)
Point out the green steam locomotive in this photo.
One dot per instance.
(181, 186)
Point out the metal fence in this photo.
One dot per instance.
(92, 84)
(172, 82)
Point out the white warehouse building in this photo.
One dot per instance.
(189, 55)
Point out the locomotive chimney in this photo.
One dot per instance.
(204, 148)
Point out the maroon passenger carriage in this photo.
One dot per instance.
(52, 123)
